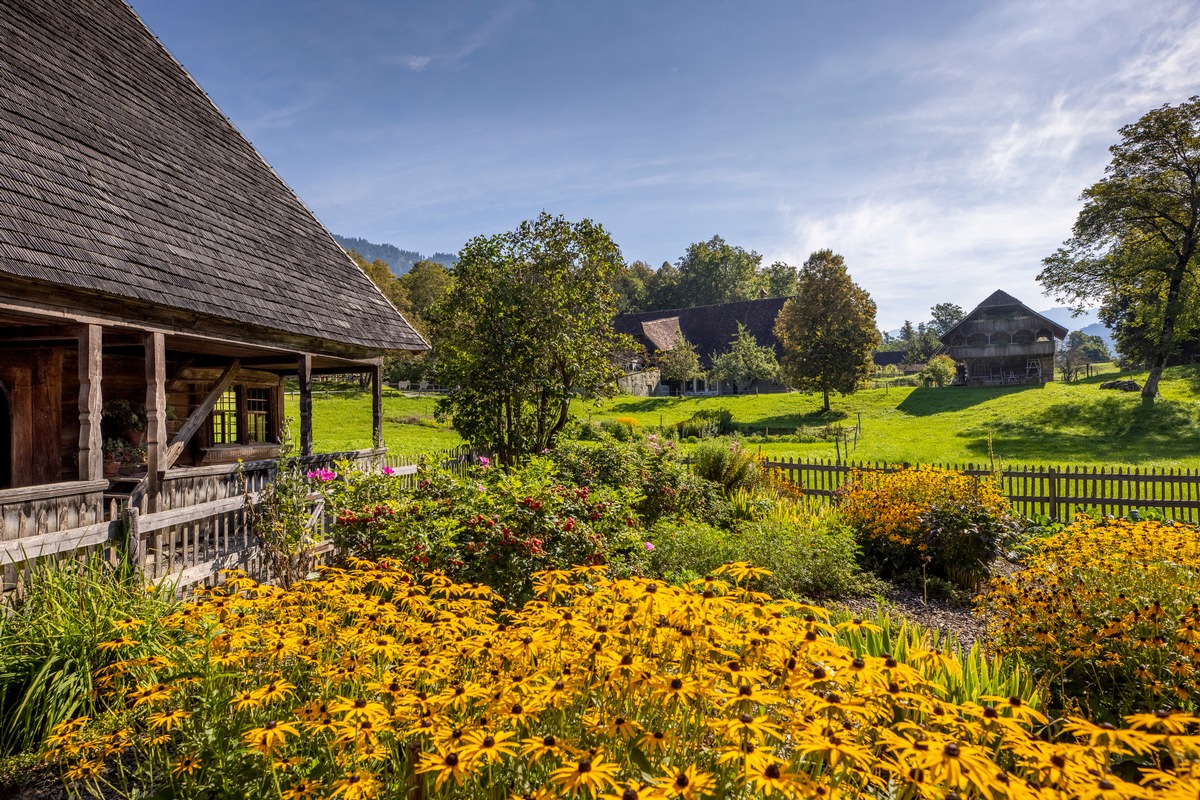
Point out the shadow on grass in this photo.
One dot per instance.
(1106, 429)
(923, 402)
(785, 423)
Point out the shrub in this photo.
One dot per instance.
(374, 682)
(668, 489)
(706, 422)
(1107, 612)
(725, 463)
(813, 556)
(490, 525)
(57, 640)
(928, 521)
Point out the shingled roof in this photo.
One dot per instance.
(118, 176)
(1001, 299)
(710, 329)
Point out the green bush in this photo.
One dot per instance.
(53, 643)
(813, 557)
(706, 422)
(725, 463)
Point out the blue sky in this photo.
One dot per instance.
(939, 146)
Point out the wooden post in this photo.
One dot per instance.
(133, 542)
(1052, 491)
(306, 431)
(91, 402)
(377, 406)
(156, 415)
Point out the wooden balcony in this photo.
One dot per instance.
(1034, 350)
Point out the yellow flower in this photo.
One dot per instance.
(269, 737)
(167, 719)
(690, 783)
(448, 764)
(185, 765)
(591, 774)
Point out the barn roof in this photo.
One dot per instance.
(119, 177)
(710, 329)
(999, 300)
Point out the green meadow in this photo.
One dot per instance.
(1076, 423)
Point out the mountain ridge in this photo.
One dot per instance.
(399, 261)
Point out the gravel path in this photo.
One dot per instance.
(908, 603)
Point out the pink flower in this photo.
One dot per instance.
(484, 461)
(323, 475)
(648, 545)
(389, 471)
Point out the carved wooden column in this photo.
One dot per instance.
(91, 401)
(377, 406)
(306, 430)
(156, 415)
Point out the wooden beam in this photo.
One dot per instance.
(377, 406)
(91, 402)
(156, 415)
(306, 431)
(197, 417)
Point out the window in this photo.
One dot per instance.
(225, 419)
(243, 415)
(258, 415)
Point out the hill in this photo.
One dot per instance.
(1088, 322)
(400, 261)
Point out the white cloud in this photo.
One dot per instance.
(454, 54)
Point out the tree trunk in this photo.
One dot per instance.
(1166, 339)
(825, 393)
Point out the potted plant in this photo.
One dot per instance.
(129, 417)
(132, 456)
(114, 449)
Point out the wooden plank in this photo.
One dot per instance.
(180, 516)
(50, 491)
(156, 415)
(198, 417)
(377, 406)
(16, 551)
(91, 402)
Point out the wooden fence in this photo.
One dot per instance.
(1055, 492)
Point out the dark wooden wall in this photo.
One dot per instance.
(33, 380)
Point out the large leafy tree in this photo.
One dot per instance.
(426, 283)
(745, 362)
(944, 317)
(525, 329)
(717, 272)
(1134, 243)
(828, 330)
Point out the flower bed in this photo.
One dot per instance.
(374, 683)
(1109, 612)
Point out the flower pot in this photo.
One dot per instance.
(111, 468)
(134, 436)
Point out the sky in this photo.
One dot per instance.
(941, 147)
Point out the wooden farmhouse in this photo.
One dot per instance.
(710, 329)
(1003, 342)
(154, 267)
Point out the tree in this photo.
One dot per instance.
(525, 329)
(680, 363)
(426, 283)
(939, 371)
(633, 286)
(1091, 348)
(921, 345)
(382, 276)
(716, 272)
(828, 330)
(945, 316)
(1136, 237)
(780, 279)
(745, 361)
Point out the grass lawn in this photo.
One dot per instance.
(343, 422)
(1055, 424)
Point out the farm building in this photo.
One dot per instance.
(1003, 342)
(153, 266)
(710, 329)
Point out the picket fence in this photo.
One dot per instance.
(1057, 493)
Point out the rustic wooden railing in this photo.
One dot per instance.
(1055, 492)
(198, 529)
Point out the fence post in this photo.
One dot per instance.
(133, 540)
(1052, 474)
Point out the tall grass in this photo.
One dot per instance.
(50, 642)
